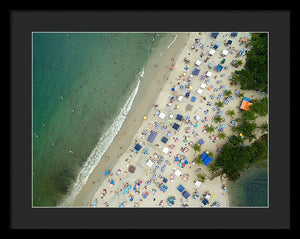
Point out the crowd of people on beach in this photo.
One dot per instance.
(170, 157)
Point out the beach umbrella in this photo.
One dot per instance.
(106, 172)
(173, 89)
(242, 51)
(145, 117)
(181, 86)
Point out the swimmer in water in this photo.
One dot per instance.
(106, 94)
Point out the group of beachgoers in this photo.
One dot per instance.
(167, 162)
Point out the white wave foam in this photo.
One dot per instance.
(172, 42)
(142, 73)
(101, 147)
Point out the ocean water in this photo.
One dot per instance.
(84, 85)
(251, 190)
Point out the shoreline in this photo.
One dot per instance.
(144, 97)
(120, 153)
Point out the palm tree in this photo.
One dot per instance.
(235, 79)
(201, 177)
(238, 63)
(220, 104)
(241, 94)
(222, 135)
(196, 147)
(210, 129)
(231, 113)
(263, 127)
(198, 160)
(218, 119)
(228, 93)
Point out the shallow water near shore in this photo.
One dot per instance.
(251, 190)
(81, 81)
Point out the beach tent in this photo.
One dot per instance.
(205, 159)
(152, 136)
(180, 188)
(245, 104)
(203, 85)
(164, 139)
(193, 99)
(208, 73)
(177, 172)
(196, 72)
(175, 126)
(224, 52)
(149, 163)
(165, 150)
(197, 63)
(162, 115)
(185, 194)
(198, 183)
(214, 34)
(212, 52)
(199, 91)
(211, 64)
(205, 201)
(179, 117)
(234, 34)
(216, 46)
(219, 68)
(180, 98)
(201, 141)
(137, 147)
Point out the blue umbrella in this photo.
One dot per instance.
(173, 89)
(181, 86)
(106, 172)
(242, 51)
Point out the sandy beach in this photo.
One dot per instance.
(152, 176)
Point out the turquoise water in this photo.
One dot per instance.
(80, 83)
(251, 190)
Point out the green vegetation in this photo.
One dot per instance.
(260, 107)
(222, 135)
(237, 63)
(255, 74)
(218, 119)
(228, 93)
(263, 127)
(196, 147)
(220, 104)
(247, 125)
(201, 177)
(231, 113)
(210, 129)
(236, 157)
